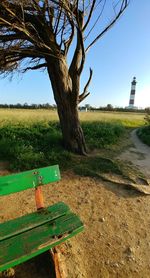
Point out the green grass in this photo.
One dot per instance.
(32, 138)
(144, 134)
(128, 119)
(33, 145)
(39, 144)
(95, 165)
(102, 134)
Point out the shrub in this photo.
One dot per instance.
(144, 134)
(32, 146)
(28, 159)
(102, 134)
(147, 117)
(40, 144)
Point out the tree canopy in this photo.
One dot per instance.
(41, 33)
(35, 29)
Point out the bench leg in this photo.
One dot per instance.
(56, 262)
(39, 200)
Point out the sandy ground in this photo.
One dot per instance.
(139, 155)
(116, 240)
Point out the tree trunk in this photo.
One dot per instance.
(66, 98)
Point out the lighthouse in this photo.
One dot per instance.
(132, 93)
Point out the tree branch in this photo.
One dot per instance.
(85, 94)
(82, 97)
(69, 41)
(82, 51)
(96, 21)
(12, 37)
(123, 7)
(79, 54)
(57, 22)
(90, 15)
(35, 67)
(44, 29)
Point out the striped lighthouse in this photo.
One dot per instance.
(132, 93)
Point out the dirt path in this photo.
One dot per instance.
(116, 240)
(139, 155)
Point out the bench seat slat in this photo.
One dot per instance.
(32, 220)
(28, 179)
(24, 246)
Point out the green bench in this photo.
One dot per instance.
(30, 235)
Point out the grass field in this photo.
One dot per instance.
(30, 116)
(32, 138)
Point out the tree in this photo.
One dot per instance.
(109, 107)
(41, 32)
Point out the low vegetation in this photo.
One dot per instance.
(128, 119)
(102, 134)
(144, 132)
(28, 146)
(28, 140)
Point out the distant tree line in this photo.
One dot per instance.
(29, 106)
(86, 107)
(109, 107)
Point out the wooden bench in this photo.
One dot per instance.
(34, 233)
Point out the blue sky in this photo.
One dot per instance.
(122, 53)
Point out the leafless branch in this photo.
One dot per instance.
(36, 67)
(70, 39)
(123, 7)
(96, 21)
(32, 28)
(85, 93)
(90, 15)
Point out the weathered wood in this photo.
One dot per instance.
(28, 179)
(32, 220)
(24, 246)
(34, 233)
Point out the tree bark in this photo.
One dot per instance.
(66, 95)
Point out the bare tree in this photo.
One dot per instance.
(42, 32)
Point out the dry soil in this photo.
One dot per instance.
(116, 239)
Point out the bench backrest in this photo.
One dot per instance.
(28, 179)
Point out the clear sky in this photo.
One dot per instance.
(122, 53)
